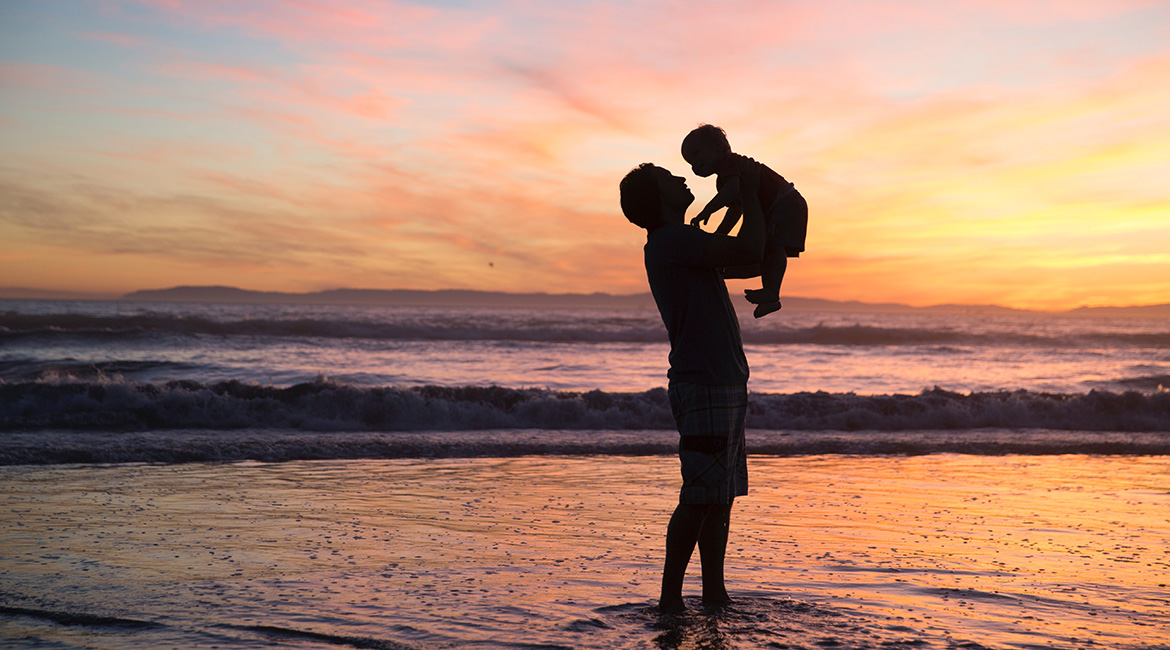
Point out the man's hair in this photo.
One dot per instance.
(706, 135)
(641, 197)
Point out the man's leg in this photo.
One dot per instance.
(712, 550)
(683, 533)
(710, 422)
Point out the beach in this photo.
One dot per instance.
(934, 551)
(203, 475)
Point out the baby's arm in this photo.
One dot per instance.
(727, 195)
(719, 201)
(730, 218)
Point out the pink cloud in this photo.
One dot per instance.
(427, 141)
(293, 92)
(1045, 12)
(363, 23)
(175, 154)
(371, 103)
(202, 71)
(116, 38)
(52, 77)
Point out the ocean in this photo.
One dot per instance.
(236, 476)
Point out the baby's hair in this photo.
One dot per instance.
(706, 134)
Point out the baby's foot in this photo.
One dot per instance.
(766, 308)
(761, 296)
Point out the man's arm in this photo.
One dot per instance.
(747, 247)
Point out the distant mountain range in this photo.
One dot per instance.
(467, 298)
(402, 297)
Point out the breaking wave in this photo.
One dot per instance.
(184, 421)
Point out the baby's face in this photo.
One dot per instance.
(703, 159)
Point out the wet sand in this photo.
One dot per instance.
(936, 551)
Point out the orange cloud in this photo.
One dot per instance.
(390, 144)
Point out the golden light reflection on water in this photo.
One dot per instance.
(1001, 551)
(1068, 547)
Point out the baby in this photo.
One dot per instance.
(785, 210)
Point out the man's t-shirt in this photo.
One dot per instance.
(705, 345)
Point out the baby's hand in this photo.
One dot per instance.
(701, 220)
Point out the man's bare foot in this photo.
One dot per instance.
(766, 308)
(671, 606)
(760, 296)
(716, 600)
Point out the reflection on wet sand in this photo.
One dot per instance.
(925, 551)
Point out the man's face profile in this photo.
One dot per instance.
(674, 192)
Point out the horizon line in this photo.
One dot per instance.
(33, 293)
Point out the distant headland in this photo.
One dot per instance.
(471, 298)
(395, 297)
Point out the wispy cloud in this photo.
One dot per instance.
(116, 38)
(946, 148)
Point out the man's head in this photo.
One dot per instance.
(651, 197)
(705, 148)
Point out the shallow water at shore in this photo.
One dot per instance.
(934, 551)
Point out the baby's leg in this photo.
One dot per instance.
(772, 270)
(771, 275)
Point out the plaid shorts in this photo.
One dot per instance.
(711, 445)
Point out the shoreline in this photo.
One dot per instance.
(185, 446)
(1058, 551)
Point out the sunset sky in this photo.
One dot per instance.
(978, 151)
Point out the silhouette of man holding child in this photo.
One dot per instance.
(708, 370)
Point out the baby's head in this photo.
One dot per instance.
(705, 148)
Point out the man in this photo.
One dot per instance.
(708, 370)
